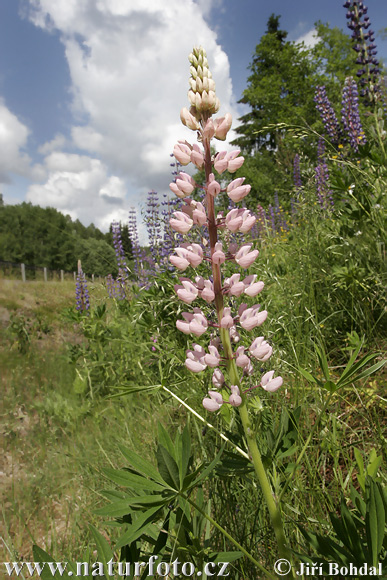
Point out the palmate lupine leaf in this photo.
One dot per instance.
(141, 465)
(127, 479)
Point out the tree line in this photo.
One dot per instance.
(45, 237)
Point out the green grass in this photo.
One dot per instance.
(56, 442)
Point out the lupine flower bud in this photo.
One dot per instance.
(199, 214)
(213, 358)
(227, 320)
(195, 359)
(241, 359)
(209, 130)
(251, 317)
(229, 161)
(236, 191)
(260, 349)
(252, 288)
(181, 223)
(234, 286)
(213, 187)
(270, 384)
(183, 186)
(218, 378)
(208, 293)
(202, 92)
(187, 292)
(189, 120)
(214, 402)
(222, 126)
(197, 156)
(244, 258)
(199, 324)
(248, 221)
(234, 219)
(182, 152)
(218, 257)
(235, 399)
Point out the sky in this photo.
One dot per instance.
(91, 90)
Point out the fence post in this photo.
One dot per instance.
(23, 272)
(45, 274)
(75, 276)
(62, 275)
(92, 277)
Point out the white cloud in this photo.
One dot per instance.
(13, 138)
(310, 38)
(80, 186)
(58, 142)
(128, 61)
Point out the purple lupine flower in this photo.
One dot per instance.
(138, 253)
(327, 114)
(324, 194)
(122, 277)
(153, 225)
(365, 48)
(81, 291)
(350, 114)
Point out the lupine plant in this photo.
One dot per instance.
(232, 367)
(81, 291)
(364, 45)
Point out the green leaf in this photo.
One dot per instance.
(226, 556)
(375, 521)
(105, 553)
(208, 469)
(46, 574)
(360, 465)
(127, 479)
(140, 464)
(123, 507)
(138, 528)
(374, 465)
(345, 378)
(330, 386)
(185, 454)
(323, 361)
(351, 538)
(168, 468)
(310, 378)
(165, 440)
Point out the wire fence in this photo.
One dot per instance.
(25, 273)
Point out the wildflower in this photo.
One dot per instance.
(270, 384)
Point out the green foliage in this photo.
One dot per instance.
(45, 237)
(165, 505)
(358, 536)
(97, 257)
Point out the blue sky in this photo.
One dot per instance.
(90, 90)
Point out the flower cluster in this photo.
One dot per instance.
(324, 194)
(153, 225)
(350, 114)
(216, 289)
(328, 115)
(121, 262)
(137, 252)
(364, 45)
(81, 291)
